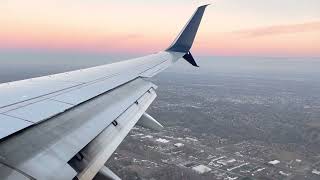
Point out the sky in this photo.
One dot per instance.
(289, 28)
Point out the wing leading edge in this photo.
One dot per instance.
(55, 127)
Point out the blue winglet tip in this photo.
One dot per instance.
(205, 5)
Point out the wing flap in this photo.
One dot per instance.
(57, 140)
(98, 151)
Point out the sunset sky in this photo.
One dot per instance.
(229, 27)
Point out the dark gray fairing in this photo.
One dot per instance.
(188, 57)
(184, 41)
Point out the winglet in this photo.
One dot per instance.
(184, 41)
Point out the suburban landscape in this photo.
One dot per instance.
(227, 126)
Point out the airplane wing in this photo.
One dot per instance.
(67, 125)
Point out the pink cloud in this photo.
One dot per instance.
(281, 29)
